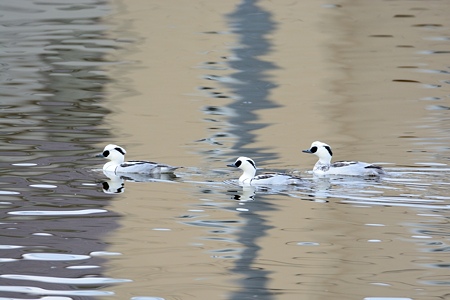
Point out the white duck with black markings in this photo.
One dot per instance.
(249, 177)
(117, 163)
(324, 166)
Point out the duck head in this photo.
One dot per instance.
(322, 151)
(247, 165)
(114, 153)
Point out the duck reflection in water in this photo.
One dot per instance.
(247, 194)
(116, 183)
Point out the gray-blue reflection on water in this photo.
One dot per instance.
(249, 86)
(51, 86)
(234, 125)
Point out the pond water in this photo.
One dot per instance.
(197, 86)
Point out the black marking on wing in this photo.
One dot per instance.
(142, 162)
(135, 163)
(373, 167)
(270, 175)
(339, 164)
(264, 176)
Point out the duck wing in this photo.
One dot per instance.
(278, 178)
(143, 162)
(373, 167)
(144, 166)
(264, 176)
(366, 168)
(340, 164)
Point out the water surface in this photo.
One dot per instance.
(53, 214)
(196, 86)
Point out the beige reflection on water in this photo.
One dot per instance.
(161, 116)
(345, 76)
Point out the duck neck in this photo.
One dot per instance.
(324, 161)
(322, 165)
(110, 166)
(247, 176)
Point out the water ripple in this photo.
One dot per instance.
(57, 212)
(54, 256)
(39, 291)
(71, 281)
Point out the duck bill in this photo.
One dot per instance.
(306, 151)
(99, 155)
(231, 165)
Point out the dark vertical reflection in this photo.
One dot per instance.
(52, 212)
(250, 23)
(251, 87)
(254, 282)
